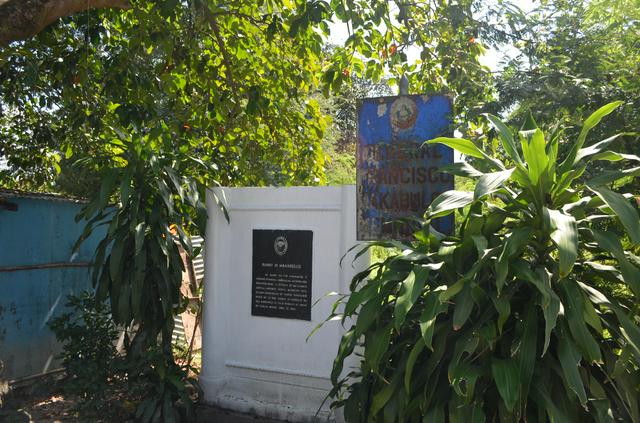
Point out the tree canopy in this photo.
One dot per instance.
(230, 82)
(575, 56)
(238, 84)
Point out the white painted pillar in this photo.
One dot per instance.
(263, 365)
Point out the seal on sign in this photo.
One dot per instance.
(280, 245)
(404, 113)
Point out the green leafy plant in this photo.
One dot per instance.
(528, 312)
(92, 364)
(230, 82)
(138, 267)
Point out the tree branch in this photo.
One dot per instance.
(21, 19)
(226, 59)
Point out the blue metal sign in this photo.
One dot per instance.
(396, 177)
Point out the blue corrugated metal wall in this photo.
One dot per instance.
(37, 273)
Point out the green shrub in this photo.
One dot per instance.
(89, 356)
(109, 385)
(138, 266)
(528, 312)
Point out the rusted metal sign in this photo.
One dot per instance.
(396, 177)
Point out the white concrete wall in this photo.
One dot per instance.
(263, 365)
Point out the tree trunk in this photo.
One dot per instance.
(20, 19)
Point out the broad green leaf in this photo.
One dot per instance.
(503, 307)
(376, 345)
(589, 123)
(367, 315)
(432, 307)
(491, 182)
(591, 316)
(552, 148)
(411, 361)
(391, 409)
(604, 414)
(138, 281)
(630, 330)
(612, 156)
(383, 395)
(357, 298)
(609, 242)
(541, 396)
(535, 155)
(106, 189)
(515, 242)
(410, 290)
(465, 147)
(508, 142)
(347, 343)
(529, 123)
(115, 259)
(125, 189)
(448, 201)
(623, 209)
(573, 303)
(220, 200)
(505, 375)
(608, 176)
(566, 179)
(139, 236)
(481, 243)
(565, 236)
(462, 307)
(570, 362)
(463, 379)
(596, 149)
(550, 303)
(525, 351)
(435, 415)
(461, 169)
(521, 176)
(453, 290)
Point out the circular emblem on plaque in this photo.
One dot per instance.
(404, 113)
(280, 245)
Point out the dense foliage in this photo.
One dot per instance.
(340, 139)
(108, 385)
(573, 56)
(143, 109)
(528, 312)
(138, 267)
(229, 82)
(89, 354)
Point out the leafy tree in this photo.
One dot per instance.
(340, 140)
(227, 81)
(138, 267)
(573, 56)
(161, 100)
(528, 312)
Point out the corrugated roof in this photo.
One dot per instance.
(50, 196)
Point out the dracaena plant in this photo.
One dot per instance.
(147, 202)
(527, 312)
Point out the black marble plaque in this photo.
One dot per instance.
(281, 278)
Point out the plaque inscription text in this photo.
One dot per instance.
(281, 278)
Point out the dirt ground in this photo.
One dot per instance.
(43, 401)
(39, 401)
